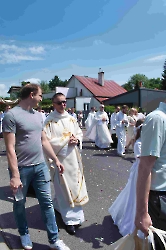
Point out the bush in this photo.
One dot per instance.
(109, 109)
(46, 103)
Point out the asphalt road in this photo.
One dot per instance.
(106, 174)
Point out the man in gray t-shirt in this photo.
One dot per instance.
(28, 127)
(25, 142)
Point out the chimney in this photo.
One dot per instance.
(101, 77)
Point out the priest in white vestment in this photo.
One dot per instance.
(113, 127)
(98, 131)
(121, 124)
(90, 118)
(64, 134)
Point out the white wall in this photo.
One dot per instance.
(80, 102)
(68, 92)
(85, 91)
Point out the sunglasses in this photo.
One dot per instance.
(60, 102)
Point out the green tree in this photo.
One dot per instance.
(65, 82)
(23, 83)
(45, 87)
(57, 82)
(135, 81)
(154, 83)
(127, 86)
(163, 83)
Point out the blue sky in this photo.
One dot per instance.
(40, 39)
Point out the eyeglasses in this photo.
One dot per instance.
(60, 102)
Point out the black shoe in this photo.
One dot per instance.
(70, 229)
(77, 225)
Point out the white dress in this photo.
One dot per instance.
(89, 119)
(121, 131)
(124, 207)
(98, 131)
(130, 129)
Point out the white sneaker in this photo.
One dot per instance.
(26, 241)
(59, 245)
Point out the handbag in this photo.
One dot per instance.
(160, 233)
(133, 242)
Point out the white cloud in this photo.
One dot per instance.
(32, 49)
(36, 50)
(10, 54)
(8, 47)
(156, 58)
(9, 58)
(33, 80)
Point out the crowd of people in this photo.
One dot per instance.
(121, 133)
(49, 149)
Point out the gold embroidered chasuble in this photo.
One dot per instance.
(58, 129)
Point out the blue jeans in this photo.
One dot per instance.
(39, 177)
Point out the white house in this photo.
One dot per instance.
(83, 92)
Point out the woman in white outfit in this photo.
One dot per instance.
(130, 129)
(124, 207)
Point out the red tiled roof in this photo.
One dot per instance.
(110, 88)
(101, 99)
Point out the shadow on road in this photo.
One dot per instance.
(98, 234)
(14, 242)
(33, 215)
(6, 194)
(130, 159)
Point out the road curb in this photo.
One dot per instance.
(3, 245)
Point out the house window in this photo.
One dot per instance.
(86, 106)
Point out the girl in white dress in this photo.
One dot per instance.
(124, 207)
(130, 129)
